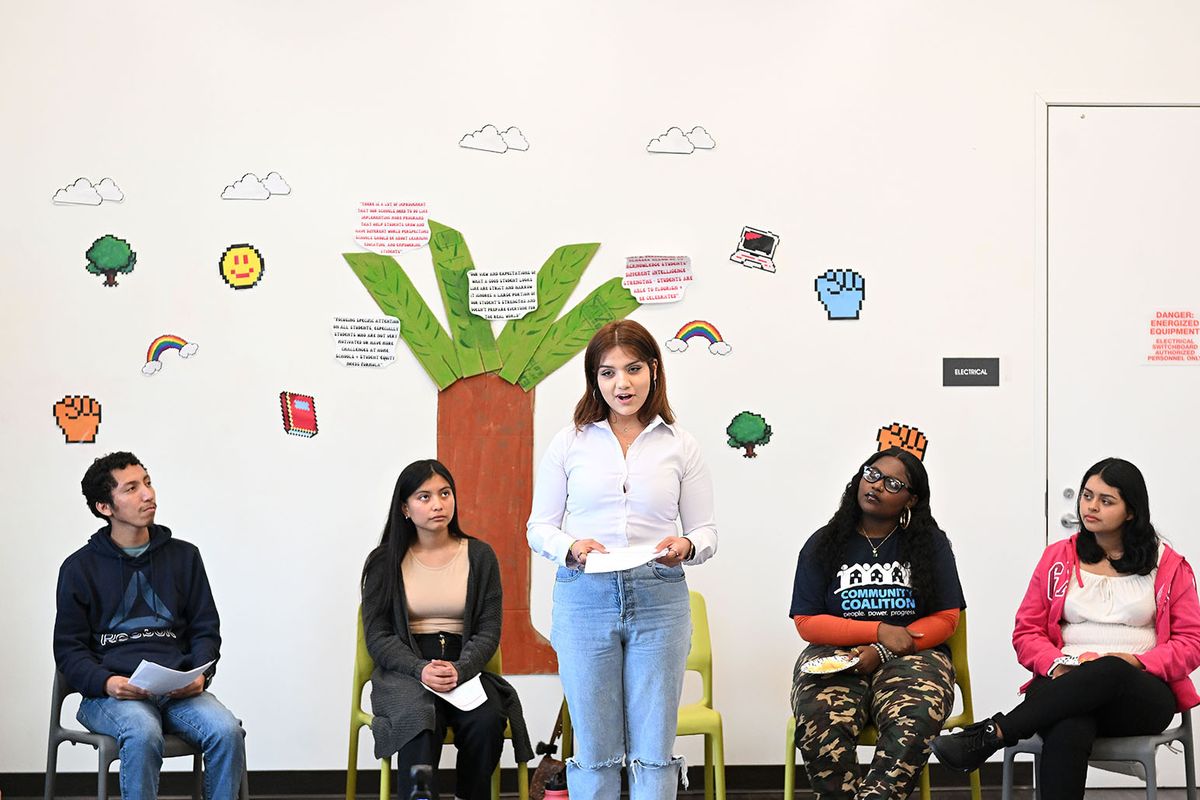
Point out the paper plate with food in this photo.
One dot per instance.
(827, 665)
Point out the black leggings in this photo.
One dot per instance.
(479, 737)
(1105, 697)
(478, 733)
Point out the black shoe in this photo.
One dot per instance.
(967, 750)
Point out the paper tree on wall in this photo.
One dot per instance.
(485, 397)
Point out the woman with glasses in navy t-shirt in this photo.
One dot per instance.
(878, 583)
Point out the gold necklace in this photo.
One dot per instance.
(871, 542)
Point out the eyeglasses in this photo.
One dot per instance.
(893, 485)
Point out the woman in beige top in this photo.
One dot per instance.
(431, 605)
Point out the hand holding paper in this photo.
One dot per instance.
(157, 679)
(622, 558)
(468, 696)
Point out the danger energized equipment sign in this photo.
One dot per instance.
(1173, 338)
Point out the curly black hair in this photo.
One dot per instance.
(917, 542)
(1138, 537)
(98, 482)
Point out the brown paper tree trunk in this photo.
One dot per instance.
(485, 437)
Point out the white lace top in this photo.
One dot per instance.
(1109, 614)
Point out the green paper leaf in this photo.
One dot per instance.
(556, 280)
(396, 296)
(473, 339)
(610, 301)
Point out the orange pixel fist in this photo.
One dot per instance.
(905, 438)
(79, 418)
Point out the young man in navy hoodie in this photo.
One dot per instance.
(133, 593)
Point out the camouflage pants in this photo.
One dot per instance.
(906, 699)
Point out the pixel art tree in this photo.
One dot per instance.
(109, 255)
(748, 430)
(485, 397)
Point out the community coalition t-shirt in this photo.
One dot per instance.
(873, 588)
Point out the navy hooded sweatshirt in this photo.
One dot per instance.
(115, 610)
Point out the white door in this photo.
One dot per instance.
(1123, 272)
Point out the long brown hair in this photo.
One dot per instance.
(634, 339)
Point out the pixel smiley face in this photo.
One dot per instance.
(242, 266)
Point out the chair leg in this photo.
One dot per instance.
(1037, 776)
(385, 779)
(1006, 777)
(718, 760)
(352, 764)
(106, 757)
(51, 769)
(523, 781)
(925, 782)
(708, 767)
(197, 777)
(245, 784)
(976, 786)
(789, 762)
(1189, 765)
(496, 783)
(102, 779)
(1151, 777)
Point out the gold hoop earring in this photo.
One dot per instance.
(905, 518)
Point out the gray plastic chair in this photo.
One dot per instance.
(109, 751)
(1129, 755)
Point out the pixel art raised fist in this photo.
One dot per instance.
(841, 291)
(78, 416)
(904, 437)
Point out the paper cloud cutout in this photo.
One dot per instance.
(700, 138)
(673, 141)
(189, 350)
(151, 367)
(248, 187)
(275, 184)
(676, 345)
(720, 348)
(109, 191)
(514, 138)
(487, 138)
(83, 193)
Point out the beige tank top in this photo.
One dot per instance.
(436, 596)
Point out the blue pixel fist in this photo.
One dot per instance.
(841, 292)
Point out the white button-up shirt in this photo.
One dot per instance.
(587, 489)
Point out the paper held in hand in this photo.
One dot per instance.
(467, 696)
(620, 558)
(157, 679)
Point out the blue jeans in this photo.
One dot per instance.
(138, 727)
(622, 640)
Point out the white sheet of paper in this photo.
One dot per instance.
(157, 679)
(467, 696)
(619, 558)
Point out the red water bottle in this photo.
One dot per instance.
(556, 786)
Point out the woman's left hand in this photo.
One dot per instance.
(868, 659)
(679, 549)
(1129, 658)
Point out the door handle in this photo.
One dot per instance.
(1069, 520)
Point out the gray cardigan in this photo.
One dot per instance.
(401, 705)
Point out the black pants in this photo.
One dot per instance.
(478, 734)
(1105, 697)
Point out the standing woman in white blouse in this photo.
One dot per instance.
(623, 475)
(1110, 629)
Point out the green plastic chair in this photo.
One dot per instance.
(869, 735)
(695, 719)
(364, 665)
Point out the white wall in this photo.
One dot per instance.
(896, 139)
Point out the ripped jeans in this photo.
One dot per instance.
(622, 640)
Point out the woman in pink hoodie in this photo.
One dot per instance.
(1110, 629)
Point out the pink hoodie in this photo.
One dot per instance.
(1037, 636)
